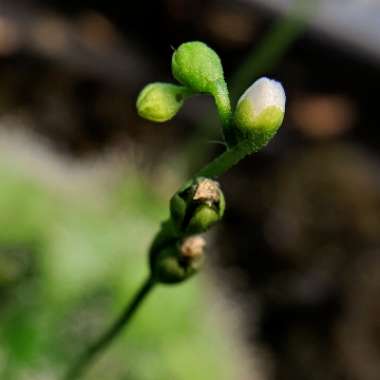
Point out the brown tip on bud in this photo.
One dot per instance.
(207, 191)
(192, 247)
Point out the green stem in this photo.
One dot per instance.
(186, 92)
(223, 105)
(228, 159)
(222, 101)
(225, 161)
(104, 340)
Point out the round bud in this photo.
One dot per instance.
(160, 101)
(197, 66)
(178, 261)
(260, 111)
(197, 207)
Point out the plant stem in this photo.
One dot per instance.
(226, 160)
(223, 105)
(104, 340)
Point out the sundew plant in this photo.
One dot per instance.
(178, 249)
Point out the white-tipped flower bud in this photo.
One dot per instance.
(260, 110)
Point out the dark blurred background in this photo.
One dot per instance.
(294, 272)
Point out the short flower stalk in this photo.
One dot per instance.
(177, 252)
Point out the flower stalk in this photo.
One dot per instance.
(84, 361)
(177, 251)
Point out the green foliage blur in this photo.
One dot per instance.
(69, 262)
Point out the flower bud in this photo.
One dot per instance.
(160, 101)
(198, 67)
(178, 261)
(260, 111)
(197, 207)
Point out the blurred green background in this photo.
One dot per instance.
(72, 253)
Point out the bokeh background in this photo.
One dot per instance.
(292, 282)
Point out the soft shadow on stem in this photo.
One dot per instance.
(83, 362)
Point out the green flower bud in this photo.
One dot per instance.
(197, 207)
(178, 261)
(160, 101)
(198, 67)
(260, 111)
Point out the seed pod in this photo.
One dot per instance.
(178, 261)
(197, 207)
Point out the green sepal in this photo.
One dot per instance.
(258, 130)
(169, 269)
(195, 209)
(204, 217)
(172, 263)
(177, 209)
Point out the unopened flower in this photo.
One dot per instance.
(198, 67)
(260, 110)
(160, 101)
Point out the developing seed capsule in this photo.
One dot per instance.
(178, 260)
(196, 208)
(260, 111)
(197, 66)
(160, 102)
